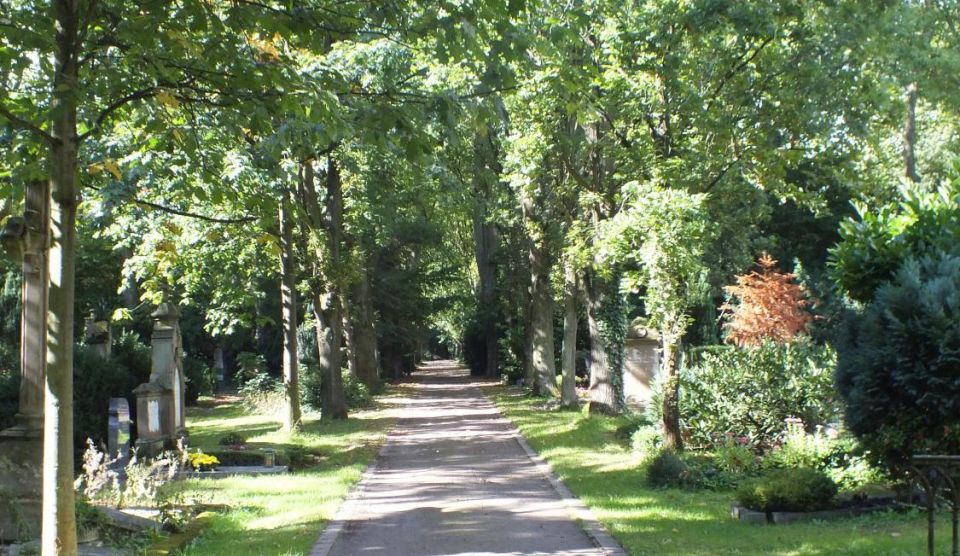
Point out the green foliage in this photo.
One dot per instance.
(750, 392)
(840, 456)
(646, 440)
(788, 490)
(872, 248)
(355, 392)
(96, 380)
(735, 456)
(250, 366)
(9, 396)
(898, 367)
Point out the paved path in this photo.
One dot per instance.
(454, 478)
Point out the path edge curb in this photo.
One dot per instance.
(591, 526)
(330, 534)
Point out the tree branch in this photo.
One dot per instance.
(114, 106)
(24, 124)
(733, 71)
(205, 218)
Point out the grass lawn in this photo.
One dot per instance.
(584, 453)
(280, 514)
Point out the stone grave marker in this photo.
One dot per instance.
(118, 437)
(641, 363)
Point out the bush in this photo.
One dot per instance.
(311, 390)
(898, 365)
(788, 490)
(95, 381)
(750, 392)
(666, 469)
(263, 394)
(9, 396)
(232, 439)
(200, 379)
(734, 456)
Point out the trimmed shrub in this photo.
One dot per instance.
(899, 365)
(666, 469)
(788, 490)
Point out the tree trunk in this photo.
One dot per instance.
(334, 401)
(349, 340)
(288, 309)
(486, 239)
(568, 396)
(541, 322)
(59, 528)
(671, 394)
(365, 336)
(604, 395)
(910, 135)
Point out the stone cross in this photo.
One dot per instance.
(25, 238)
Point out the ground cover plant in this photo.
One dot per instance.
(607, 476)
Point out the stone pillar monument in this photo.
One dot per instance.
(21, 446)
(160, 402)
(641, 363)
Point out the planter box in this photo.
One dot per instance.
(745, 515)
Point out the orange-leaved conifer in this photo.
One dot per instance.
(771, 306)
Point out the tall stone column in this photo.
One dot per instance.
(21, 446)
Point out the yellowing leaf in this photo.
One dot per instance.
(95, 169)
(168, 99)
(112, 167)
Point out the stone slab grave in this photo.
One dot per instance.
(641, 363)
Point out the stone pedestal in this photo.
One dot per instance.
(161, 416)
(641, 363)
(98, 336)
(21, 446)
(154, 419)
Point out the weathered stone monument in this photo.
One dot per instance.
(641, 363)
(21, 446)
(219, 368)
(160, 402)
(98, 336)
(118, 431)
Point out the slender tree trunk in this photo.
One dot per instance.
(365, 336)
(568, 396)
(671, 394)
(604, 395)
(910, 135)
(59, 529)
(288, 304)
(334, 401)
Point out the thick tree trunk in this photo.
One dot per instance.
(671, 394)
(59, 529)
(568, 395)
(541, 323)
(365, 336)
(486, 240)
(604, 395)
(333, 399)
(910, 135)
(288, 309)
(349, 341)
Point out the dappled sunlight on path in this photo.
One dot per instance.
(453, 479)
